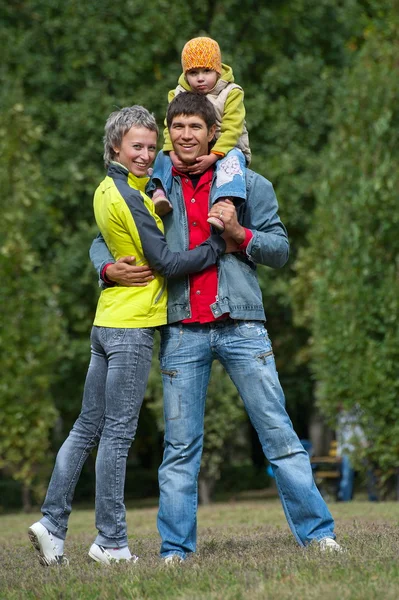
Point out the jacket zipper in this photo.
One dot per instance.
(161, 293)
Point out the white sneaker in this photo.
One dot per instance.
(328, 544)
(43, 541)
(173, 560)
(102, 555)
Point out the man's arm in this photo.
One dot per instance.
(123, 271)
(269, 243)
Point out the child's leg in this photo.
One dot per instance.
(162, 176)
(230, 181)
(161, 203)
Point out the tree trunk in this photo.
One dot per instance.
(26, 502)
(320, 435)
(205, 489)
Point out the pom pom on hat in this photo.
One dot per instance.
(201, 53)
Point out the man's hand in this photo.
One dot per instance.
(177, 163)
(124, 272)
(203, 163)
(226, 211)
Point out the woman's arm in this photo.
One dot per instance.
(123, 271)
(153, 242)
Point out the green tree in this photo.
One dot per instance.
(30, 322)
(76, 62)
(348, 279)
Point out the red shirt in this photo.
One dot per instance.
(203, 285)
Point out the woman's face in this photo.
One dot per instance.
(137, 150)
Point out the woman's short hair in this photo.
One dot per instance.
(120, 122)
(191, 104)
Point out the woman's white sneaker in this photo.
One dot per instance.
(109, 556)
(44, 543)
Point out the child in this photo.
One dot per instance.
(204, 72)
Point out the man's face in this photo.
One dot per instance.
(190, 137)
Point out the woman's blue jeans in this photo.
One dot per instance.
(114, 390)
(245, 351)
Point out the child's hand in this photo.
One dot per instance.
(203, 163)
(177, 163)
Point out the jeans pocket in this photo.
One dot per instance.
(112, 335)
(171, 339)
(252, 330)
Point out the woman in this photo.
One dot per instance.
(121, 343)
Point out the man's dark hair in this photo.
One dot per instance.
(191, 104)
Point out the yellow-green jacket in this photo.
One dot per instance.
(126, 218)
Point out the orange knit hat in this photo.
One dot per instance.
(201, 53)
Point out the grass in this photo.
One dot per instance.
(245, 550)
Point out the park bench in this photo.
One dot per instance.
(327, 471)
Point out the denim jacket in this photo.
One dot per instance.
(239, 293)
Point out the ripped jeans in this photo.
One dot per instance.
(245, 351)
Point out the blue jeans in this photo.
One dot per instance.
(114, 390)
(230, 176)
(245, 351)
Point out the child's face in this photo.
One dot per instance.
(202, 80)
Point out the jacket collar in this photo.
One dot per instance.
(118, 171)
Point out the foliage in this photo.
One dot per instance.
(289, 61)
(352, 263)
(30, 321)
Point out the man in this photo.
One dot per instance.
(218, 313)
